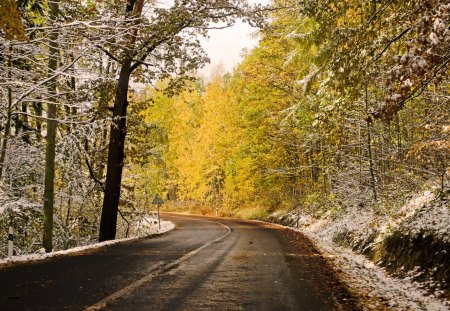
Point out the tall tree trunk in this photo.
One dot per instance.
(49, 194)
(373, 181)
(399, 137)
(115, 157)
(24, 124)
(116, 147)
(71, 83)
(6, 133)
(360, 152)
(37, 107)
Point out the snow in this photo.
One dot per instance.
(434, 38)
(433, 218)
(148, 228)
(373, 283)
(422, 213)
(361, 227)
(408, 210)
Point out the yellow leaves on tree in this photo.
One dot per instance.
(10, 21)
(202, 138)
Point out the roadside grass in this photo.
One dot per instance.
(252, 213)
(196, 208)
(188, 207)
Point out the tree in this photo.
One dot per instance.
(10, 20)
(163, 41)
(304, 104)
(42, 88)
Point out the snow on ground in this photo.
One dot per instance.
(423, 212)
(148, 227)
(376, 288)
(432, 217)
(372, 284)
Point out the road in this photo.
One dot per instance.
(204, 264)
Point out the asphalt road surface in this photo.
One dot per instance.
(204, 264)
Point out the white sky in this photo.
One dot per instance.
(224, 46)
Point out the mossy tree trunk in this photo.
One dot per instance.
(49, 193)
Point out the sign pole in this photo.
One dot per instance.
(158, 202)
(159, 218)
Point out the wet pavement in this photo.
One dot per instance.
(204, 264)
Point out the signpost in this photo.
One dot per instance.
(158, 201)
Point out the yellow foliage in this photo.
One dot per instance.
(10, 21)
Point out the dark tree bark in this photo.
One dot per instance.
(180, 17)
(110, 208)
(115, 157)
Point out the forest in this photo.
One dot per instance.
(335, 121)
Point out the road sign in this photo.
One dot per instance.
(157, 200)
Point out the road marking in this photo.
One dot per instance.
(156, 270)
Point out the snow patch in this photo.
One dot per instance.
(363, 227)
(149, 227)
(374, 283)
(406, 211)
(432, 217)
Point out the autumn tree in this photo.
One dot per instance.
(10, 20)
(162, 41)
(313, 126)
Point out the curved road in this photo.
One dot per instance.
(204, 264)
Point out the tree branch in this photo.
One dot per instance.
(150, 49)
(108, 53)
(380, 10)
(91, 171)
(53, 76)
(378, 114)
(419, 90)
(398, 37)
(128, 223)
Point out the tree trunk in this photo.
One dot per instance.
(24, 124)
(37, 107)
(115, 157)
(49, 194)
(70, 111)
(360, 153)
(116, 147)
(373, 180)
(399, 137)
(8, 120)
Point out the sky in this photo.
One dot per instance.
(224, 47)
